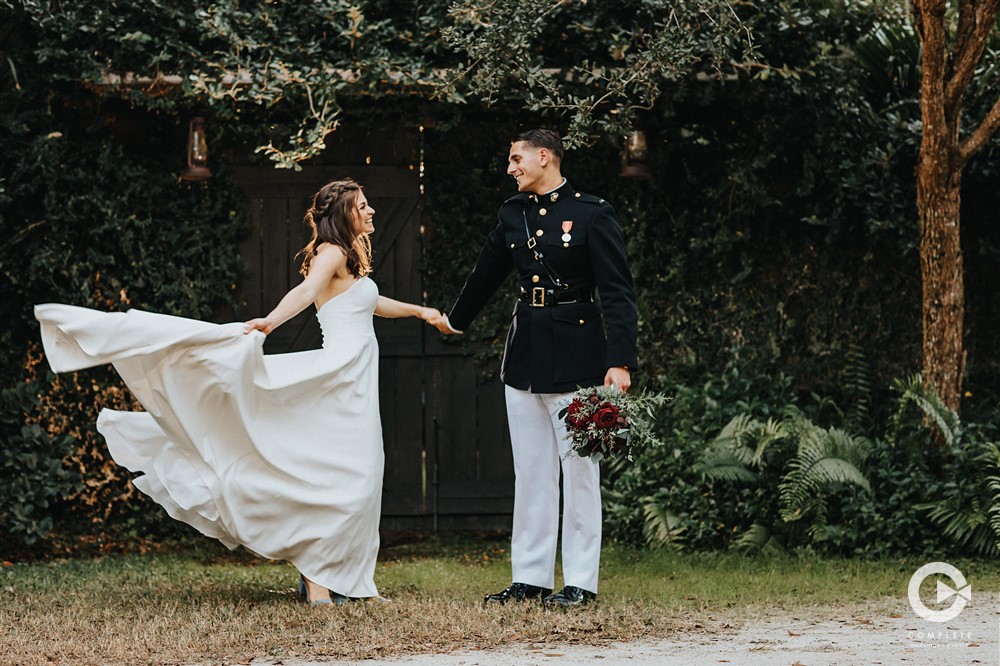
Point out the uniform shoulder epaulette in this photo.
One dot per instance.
(520, 196)
(589, 198)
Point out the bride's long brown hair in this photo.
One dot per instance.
(332, 219)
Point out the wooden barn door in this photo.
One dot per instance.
(448, 461)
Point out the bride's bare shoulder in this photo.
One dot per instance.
(326, 248)
(331, 255)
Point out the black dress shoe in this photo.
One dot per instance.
(516, 592)
(568, 597)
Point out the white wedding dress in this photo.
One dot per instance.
(281, 454)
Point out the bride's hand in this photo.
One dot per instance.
(437, 319)
(261, 324)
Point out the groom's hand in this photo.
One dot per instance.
(446, 327)
(440, 322)
(620, 377)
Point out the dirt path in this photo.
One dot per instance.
(878, 634)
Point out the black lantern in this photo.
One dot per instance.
(197, 152)
(636, 154)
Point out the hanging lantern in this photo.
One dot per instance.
(636, 153)
(197, 152)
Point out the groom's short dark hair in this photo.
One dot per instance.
(542, 138)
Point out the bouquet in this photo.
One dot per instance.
(605, 423)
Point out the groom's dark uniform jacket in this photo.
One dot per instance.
(563, 245)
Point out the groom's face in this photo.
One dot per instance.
(526, 165)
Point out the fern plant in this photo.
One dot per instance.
(967, 508)
(856, 385)
(761, 539)
(824, 459)
(662, 527)
(811, 463)
(739, 449)
(912, 392)
(992, 453)
(772, 480)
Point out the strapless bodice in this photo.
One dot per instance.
(349, 313)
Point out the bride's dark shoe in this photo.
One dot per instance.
(335, 599)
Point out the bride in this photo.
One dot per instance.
(281, 454)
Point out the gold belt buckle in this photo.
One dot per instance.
(538, 297)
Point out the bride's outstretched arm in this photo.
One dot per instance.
(388, 307)
(324, 266)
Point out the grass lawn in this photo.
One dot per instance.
(202, 603)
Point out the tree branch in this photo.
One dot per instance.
(975, 141)
(975, 23)
(966, 26)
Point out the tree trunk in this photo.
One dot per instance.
(951, 51)
(938, 200)
(939, 178)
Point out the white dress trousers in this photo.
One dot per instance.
(540, 445)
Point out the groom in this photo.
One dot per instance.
(563, 245)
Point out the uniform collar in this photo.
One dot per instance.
(564, 191)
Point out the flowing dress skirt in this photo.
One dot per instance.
(281, 454)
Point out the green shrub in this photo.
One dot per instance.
(664, 486)
(33, 474)
(771, 478)
(936, 474)
(94, 222)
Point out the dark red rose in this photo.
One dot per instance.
(594, 399)
(573, 415)
(606, 416)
